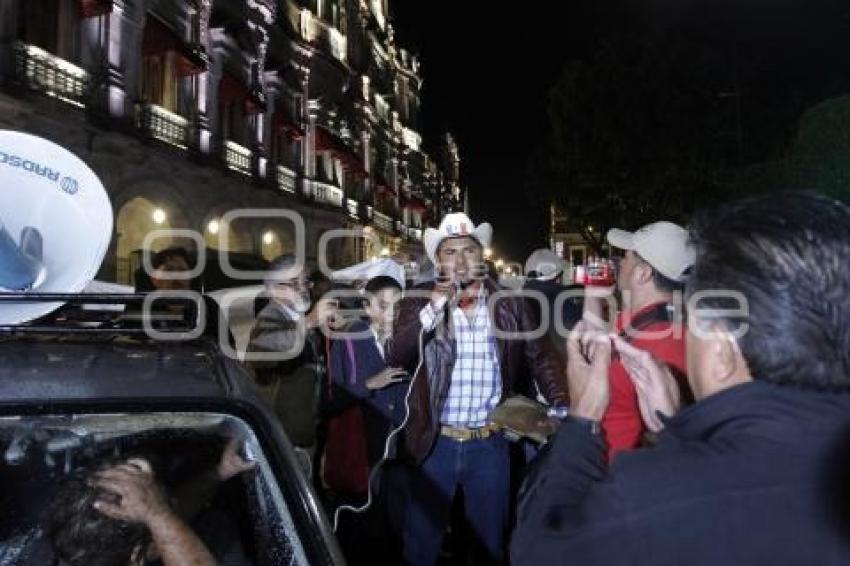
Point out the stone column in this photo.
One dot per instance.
(112, 39)
(203, 133)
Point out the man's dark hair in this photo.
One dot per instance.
(81, 535)
(321, 285)
(169, 255)
(788, 255)
(380, 283)
(665, 284)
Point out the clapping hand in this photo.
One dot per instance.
(385, 377)
(588, 361)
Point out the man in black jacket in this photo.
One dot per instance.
(756, 472)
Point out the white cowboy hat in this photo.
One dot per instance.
(455, 225)
(369, 269)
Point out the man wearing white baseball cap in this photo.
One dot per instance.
(657, 260)
(662, 245)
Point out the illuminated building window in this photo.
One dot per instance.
(559, 249)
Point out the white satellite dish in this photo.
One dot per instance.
(57, 220)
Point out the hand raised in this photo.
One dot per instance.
(138, 497)
(588, 361)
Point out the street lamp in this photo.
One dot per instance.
(213, 227)
(159, 216)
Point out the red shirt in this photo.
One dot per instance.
(622, 422)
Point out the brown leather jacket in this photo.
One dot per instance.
(520, 361)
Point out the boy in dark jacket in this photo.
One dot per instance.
(360, 373)
(369, 396)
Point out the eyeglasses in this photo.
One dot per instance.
(295, 284)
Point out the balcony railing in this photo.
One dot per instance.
(285, 179)
(383, 108)
(47, 73)
(328, 194)
(337, 43)
(382, 221)
(314, 30)
(411, 139)
(158, 123)
(237, 158)
(352, 206)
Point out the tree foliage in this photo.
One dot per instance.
(633, 134)
(818, 157)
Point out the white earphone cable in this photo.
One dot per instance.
(392, 435)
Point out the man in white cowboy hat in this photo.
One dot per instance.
(655, 266)
(470, 360)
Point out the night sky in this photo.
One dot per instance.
(486, 73)
(488, 66)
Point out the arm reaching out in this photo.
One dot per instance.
(140, 500)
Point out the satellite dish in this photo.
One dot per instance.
(55, 223)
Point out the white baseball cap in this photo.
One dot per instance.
(663, 245)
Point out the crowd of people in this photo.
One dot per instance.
(698, 412)
(702, 421)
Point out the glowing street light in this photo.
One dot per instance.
(159, 216)
(268, 238)
(213, 227)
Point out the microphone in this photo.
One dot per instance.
(451, 303)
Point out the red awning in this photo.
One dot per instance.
(158, 38)
(94, 8)
(282, 122)
(329, 141)
(231, 90)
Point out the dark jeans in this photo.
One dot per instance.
(482, 469)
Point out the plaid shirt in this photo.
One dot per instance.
(476, 381)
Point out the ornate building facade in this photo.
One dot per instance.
(190, 109)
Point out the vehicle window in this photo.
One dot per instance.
(243, 520)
